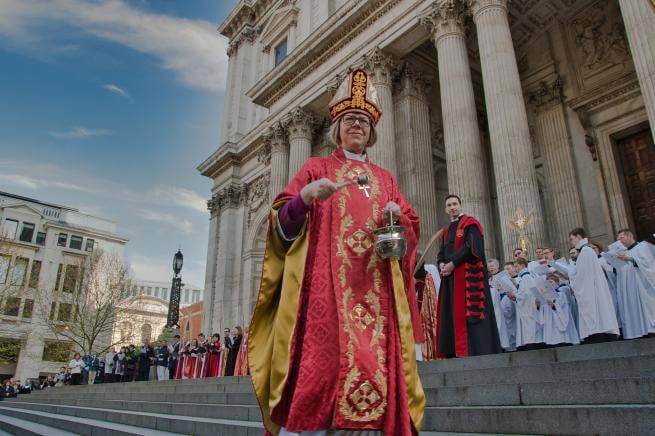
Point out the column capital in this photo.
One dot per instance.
(412, 82)
(546, 94)
(336, 82)
(233, 195)
(212, 206)
(445, 17)
(277, 137)
(479, 6)
(299, 124)
(380, 66)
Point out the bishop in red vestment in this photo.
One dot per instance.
(331, 343)
(466, 324)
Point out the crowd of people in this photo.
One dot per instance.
(597, 294)
(197, 358)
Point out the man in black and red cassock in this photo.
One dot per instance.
(466, 325)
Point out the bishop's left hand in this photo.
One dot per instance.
(394, 209)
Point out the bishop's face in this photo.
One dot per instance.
(354, 131)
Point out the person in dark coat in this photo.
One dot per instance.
(146, 357)
(234, 346)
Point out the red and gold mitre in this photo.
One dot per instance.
(356, 95)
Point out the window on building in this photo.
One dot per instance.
(5, 261)
(61, 240)
(40, 239)
(65, 312)
(34, 274)
(89, 245)
(146, 332)
(149, 291)
(9, 350)
(280, 52)
(56, 351)
(195, 297)
(19, 271)
(141, 290)
(28, 308)
(70, 278)
(27, 232)
(164, 294)
(12, 305)
(9, 229)
(76, 242)
(157, 292)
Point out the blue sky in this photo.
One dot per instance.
(109, 106)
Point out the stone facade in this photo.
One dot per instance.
(39, 272)
(517, 106)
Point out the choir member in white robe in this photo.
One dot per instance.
(637, 285)
(504, 309)
(529, 323)
(559, 325)
(610, 275)
(596, 316)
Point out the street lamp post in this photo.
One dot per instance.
(176, 289)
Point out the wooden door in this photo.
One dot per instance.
(637, 154)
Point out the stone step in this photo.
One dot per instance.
(628, 419)
(604, 391)
(628, 367)
(576, 353)
(134, 422)
(45, 423)
(16, 426)
(595, 391)
(239, 412)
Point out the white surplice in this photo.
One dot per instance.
(559, 326)
(504, 311)
(610, 275)
(595, 309)
(643, 255)
(529, 323)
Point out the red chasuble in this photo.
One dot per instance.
(349, 317)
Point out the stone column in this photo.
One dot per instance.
(231, 200)
(277, 136)
(379, 67)
(299, 127)
(413, 140)
(516, 182)
(639, 19)
(465, 160)
(210, 272)
(557, 153)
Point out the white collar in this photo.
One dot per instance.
(354, 156)
(458, 217)
(581, 243)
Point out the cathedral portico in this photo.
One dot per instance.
(533, 112)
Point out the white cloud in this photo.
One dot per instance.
(180, 224)
(38, 183)
(190, 48)
(116, 90)
(79, 132)
(181, 197)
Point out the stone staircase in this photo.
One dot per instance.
(590, 389)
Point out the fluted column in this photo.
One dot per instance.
(464, 155)
(299, 127)
(565, 206)
(277, 135)
(516, 182)
(210, 272)
(639, 19)
(415, 170)
(380, 67)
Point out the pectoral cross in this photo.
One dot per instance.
(362, 181)
(365, 188)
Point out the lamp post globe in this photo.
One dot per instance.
(178, 260)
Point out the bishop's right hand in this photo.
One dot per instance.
(318, 190)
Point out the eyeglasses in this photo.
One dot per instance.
(350, 121)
